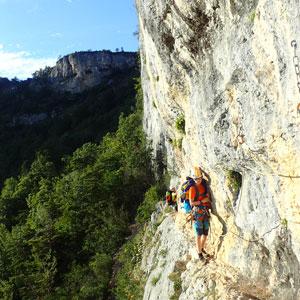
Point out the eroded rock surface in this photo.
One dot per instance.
(227, 67)
(79, 71)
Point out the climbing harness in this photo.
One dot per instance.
(189, 218)
(201, 216)
(297, 69)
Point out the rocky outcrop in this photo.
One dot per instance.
(227, 68)
(171, 268)
(79, 71)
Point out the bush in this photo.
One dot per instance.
(42, 73)
(234, 179)
(252, 16)
(152, 196)
(155, 280)
(180, 124)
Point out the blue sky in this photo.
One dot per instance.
(34, 33)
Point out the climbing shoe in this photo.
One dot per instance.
(201, 257)
(205, 253)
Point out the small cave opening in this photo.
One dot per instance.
(234, 180)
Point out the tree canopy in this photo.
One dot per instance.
(60, 228)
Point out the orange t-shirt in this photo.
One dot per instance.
(193, 193)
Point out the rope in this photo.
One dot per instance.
(274, 174)
(256, 240)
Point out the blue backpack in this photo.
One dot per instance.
(186, 206)
(184, 189)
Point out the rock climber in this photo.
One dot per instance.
(200, 202)
(171, 198)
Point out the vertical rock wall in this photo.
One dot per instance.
(227, 67)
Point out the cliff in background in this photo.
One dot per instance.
(79, 71)
(36, 115)
(227, 68)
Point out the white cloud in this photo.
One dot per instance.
(70, 1)
(21, 64)
(56, 35)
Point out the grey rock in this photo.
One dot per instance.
(79, 71)
(227, 67)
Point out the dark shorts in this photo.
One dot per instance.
(175, 206)
(201, 227)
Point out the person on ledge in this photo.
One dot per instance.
(171, 198)
(200, 202)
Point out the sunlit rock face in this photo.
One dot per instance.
(82, 70)
(227, 67)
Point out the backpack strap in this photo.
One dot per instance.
(198, 194)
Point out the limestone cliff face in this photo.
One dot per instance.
(227, 67)
(82, 70)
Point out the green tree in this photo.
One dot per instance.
(61, 231)
(42, 73)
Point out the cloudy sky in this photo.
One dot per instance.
(34, 33)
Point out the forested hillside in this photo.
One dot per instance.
(35, 119)
(61, 227)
